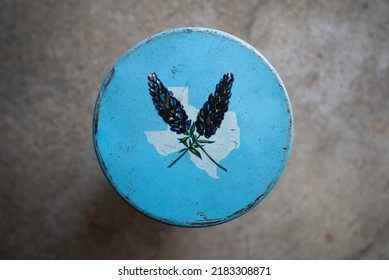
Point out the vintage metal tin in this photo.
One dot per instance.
(179, 155)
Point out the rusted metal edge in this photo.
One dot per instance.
(110, 77)
(213, 222)
(96, 114)
(95, 126)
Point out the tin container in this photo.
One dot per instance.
(193, 127)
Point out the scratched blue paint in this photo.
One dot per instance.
(185, 195)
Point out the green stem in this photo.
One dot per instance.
(177, 159)
(194, 141)
(205, 152)
(187, 149)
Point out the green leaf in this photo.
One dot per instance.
(182, 140)
(205, 141)
(192, 129)
(185, 144)
(183, 150)
(195, 152)
(198, 145)
(190, 142)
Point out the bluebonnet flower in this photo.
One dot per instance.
(168, 107)
(211, 115)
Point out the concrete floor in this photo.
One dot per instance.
(333, 199)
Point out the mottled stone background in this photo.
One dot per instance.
(333, 199)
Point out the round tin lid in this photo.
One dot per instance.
(193, 127)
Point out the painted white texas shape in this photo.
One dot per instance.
(227, 137)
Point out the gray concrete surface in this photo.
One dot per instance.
(333, 199)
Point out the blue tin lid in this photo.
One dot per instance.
(193, 127)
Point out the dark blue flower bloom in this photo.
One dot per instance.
(211, 115)
(168, 107)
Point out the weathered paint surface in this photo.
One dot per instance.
(184, 195)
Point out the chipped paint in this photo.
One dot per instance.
(110, 77)
(95, 126)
